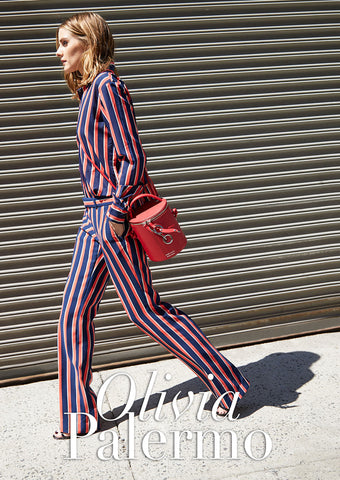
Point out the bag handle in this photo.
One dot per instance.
(157, 229)
(144, 195)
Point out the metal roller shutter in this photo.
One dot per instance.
(238, 108)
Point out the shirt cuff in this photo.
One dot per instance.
(117, 212)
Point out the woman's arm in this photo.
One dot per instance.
(128, 157)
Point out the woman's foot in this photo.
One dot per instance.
(222, 412)
(60, 435)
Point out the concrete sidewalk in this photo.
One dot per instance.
(287, 427)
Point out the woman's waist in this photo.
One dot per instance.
(95, 199)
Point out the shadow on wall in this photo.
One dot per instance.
(274, 381)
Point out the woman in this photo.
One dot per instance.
(107, 136)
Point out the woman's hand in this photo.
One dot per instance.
(117, 228)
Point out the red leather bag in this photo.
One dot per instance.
(155, 225)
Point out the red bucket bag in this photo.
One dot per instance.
(155, 225)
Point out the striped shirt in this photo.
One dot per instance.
(107, 133)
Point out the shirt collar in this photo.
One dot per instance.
(80, 90)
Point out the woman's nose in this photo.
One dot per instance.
(58, 53)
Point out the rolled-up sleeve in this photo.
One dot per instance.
(129, 159)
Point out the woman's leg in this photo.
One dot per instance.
(83, 291)
(168, 325)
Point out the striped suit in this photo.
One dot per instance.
(107, 134)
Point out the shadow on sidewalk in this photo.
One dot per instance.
(274, 381)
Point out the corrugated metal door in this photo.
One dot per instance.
(238, 108)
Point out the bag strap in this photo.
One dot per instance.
(138, 197)
(144, 195)
(155, 228)
(100, 171)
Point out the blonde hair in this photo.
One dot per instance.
(95, 33)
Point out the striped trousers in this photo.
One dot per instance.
(99, 254)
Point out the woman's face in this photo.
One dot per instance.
(70, 51)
